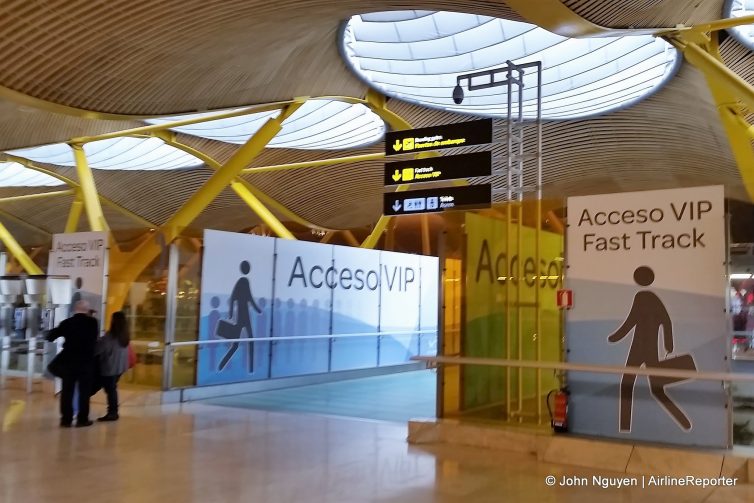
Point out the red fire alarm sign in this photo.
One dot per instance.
(565, 299)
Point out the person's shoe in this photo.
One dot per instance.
(109, 417)
(84, 424)
(66, 424)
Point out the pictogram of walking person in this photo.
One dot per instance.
(240, 301)
(647, 317)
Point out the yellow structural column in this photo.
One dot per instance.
(41, 195)
(120, 209)
(92, 205)
(744, 124)
(252, 196)
(715, 70)
(140, 258)
(72, 224)
(222, 177)
(727, 89)
(261, 210)
(316, 164)
(15, 249)
(350, 238)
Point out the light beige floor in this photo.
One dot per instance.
(205, 454)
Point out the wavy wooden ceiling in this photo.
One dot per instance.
(142, 57)
(646, 13)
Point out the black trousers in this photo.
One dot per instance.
(110, 385)
(84, 380)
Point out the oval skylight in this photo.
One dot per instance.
(743, 33)
(417, 56)
(318, 124)
(115, 154)
(13, 174)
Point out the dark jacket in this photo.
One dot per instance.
(112, 358)
(80, 332)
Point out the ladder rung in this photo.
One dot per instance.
(525, 188)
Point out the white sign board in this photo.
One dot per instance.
(359, 308)
(82, 256)
(647, 270)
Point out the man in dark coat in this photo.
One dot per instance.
(80, 332)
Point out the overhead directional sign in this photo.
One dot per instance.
(434, 200)
(436, 169)
(461, 134)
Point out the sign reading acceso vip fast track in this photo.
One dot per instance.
(648, 274)
(434, 200)
(82, 256)
(439, 168)
(462, 134)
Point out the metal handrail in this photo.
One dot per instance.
(597, 369)
(297, 338)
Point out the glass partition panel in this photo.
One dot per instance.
(500, 277)
(145, 307)
(187, 311)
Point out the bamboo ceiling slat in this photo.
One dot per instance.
(646, 13)
(139, 57)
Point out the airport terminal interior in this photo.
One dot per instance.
(377, 251)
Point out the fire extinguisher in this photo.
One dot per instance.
(559, 409)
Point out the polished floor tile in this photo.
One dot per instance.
(394, 397)
(205, 453)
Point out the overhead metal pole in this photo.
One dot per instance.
(92, 205)
(74, 215)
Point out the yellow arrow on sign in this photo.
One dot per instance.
(396, 175)
(397, 146)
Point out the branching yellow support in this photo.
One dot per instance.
(136, 261)
(74, 185)
(89, 190)
(72, 224)
(142, 130)
(727, 90)
(261, 210)
(351, 239)
(41, 195)
(15, 249)
(719, 76)
(244, 190)
(316, 164)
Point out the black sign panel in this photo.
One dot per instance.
(433, 200)
(436, 169)
(426, 139)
